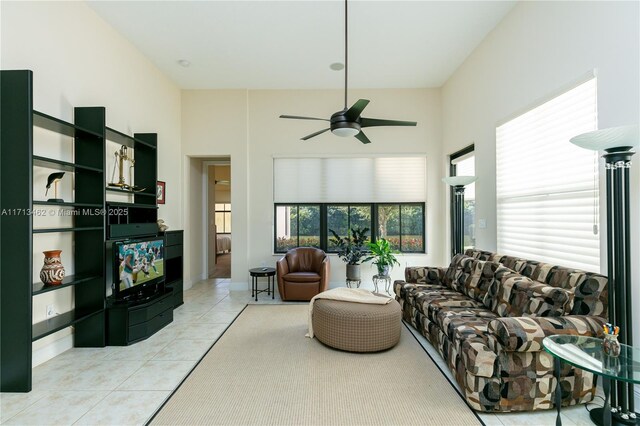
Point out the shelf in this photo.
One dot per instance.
(132, 205)
(57, 323)
(73, 229)
(52, 163)
(126, 140)
(39, 287)
(128, 191)
(66, 204)
(45, 121)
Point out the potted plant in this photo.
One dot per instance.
(383, 255)
(352, 249)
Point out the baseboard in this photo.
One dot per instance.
(52, 350)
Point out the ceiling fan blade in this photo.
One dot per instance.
(371, 122)
(354, 112)
(296, 117)
(362, 137)
(314, 134)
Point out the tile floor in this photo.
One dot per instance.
(83, 385)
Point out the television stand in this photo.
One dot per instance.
(133, 320)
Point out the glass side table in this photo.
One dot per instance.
(587, 354)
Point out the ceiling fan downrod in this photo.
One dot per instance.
(346, 53)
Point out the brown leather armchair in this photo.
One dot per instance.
(302, 273)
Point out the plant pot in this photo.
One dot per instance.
(383, 270)
(353, 272)
(52, 272)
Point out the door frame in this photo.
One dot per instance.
(205, 207)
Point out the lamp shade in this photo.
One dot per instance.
(459, 180)
(614, 137)
(345, 132)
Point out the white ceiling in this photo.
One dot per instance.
(290, 44)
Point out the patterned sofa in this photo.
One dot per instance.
(487, 315)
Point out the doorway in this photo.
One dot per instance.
(219, 218)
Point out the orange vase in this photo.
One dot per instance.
(52, 272)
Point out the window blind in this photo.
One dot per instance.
(546, 187)
(349, 180)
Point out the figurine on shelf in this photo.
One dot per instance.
(610, 345)
(121, 157)
(161, 225)
(53, 179)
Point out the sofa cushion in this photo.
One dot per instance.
(590, 289)
(468, 337)
(519, 296)
(458, 272)
(302, 277)
(451, 315)
(484, 275)
(404, 289)
(424, 298)
(434, 305)
(423, 274)
(590, 294)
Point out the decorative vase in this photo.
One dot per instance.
(611, 346)
(52, 271)
(353, 272)
(383, 270)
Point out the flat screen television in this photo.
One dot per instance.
(138, 267)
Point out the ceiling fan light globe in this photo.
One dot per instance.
(345, 132)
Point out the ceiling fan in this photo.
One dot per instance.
(349, 122)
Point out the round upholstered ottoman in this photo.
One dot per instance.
(356, 327)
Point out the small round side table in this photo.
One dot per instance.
(270, 274)
(387, 282)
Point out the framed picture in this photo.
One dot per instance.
(161, 192)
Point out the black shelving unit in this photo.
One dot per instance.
(90, 226)
(68, 204)
(69, 280)
(70, 229)
(17, 285)
(174, 264)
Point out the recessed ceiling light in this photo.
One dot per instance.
(337, 66)
(184, 63)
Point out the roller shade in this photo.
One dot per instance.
(349, 180)
(546, 187)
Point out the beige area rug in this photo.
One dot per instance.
(263, 371)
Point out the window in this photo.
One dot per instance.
(384, 194)
(311, 224)
(341, 218)
(402, 225)
(297, 225)
(463, 163)
(546, 187)
(223, 218)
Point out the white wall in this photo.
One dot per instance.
(214, 124)
(245, 125)
(537, 49)
(78, 60)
